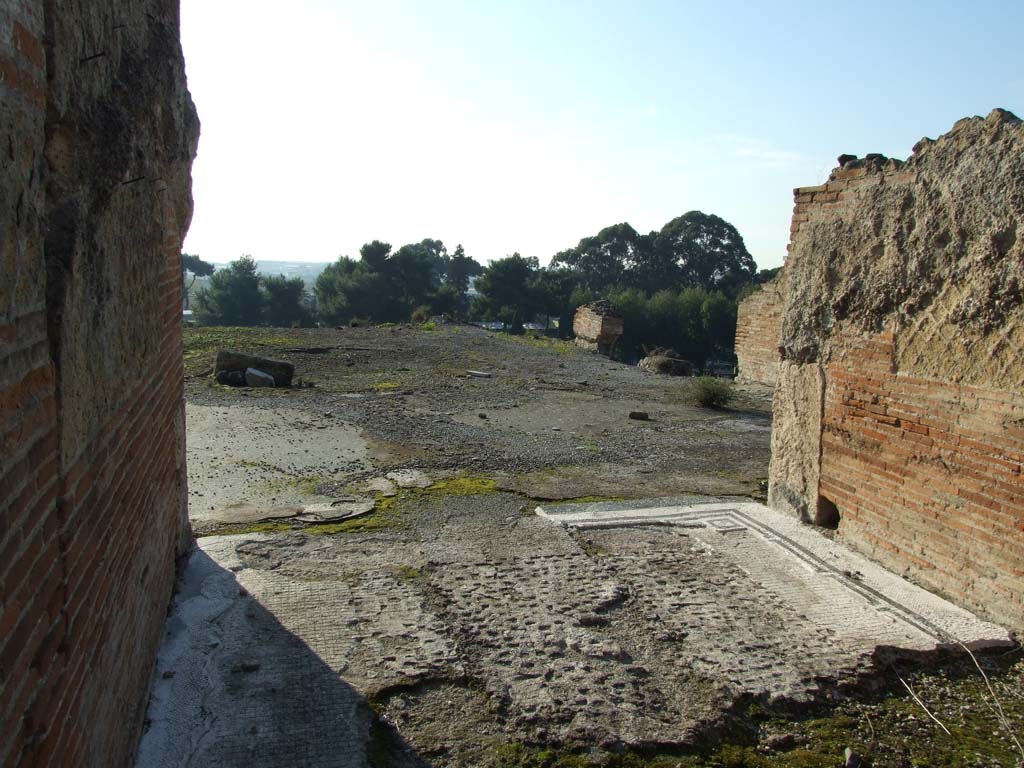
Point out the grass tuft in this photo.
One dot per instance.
(711, 392)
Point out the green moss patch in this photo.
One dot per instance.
(464, 485)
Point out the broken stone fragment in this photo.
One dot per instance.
(336, 512)
(228, 360)
(231, 378)
(257, 378)
(671, 366)
(410, 478)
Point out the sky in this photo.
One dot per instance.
(522, 126)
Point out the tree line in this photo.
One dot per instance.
(676, 287)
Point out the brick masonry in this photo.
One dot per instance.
(598, 327)
(96, 199)
(927, 476)
(758, 326)
(898, 411)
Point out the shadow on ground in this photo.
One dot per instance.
(235, 688)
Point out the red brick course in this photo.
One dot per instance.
(86, 563)
(927, 476)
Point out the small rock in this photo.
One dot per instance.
(410, 478)
(639, 415)
(231, 378)
(852, 759)
(280, 370)
(335, 512)
(482, 415)
(666, 364)
(257, 378)
(780, 742)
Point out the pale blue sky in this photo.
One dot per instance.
(524, 126)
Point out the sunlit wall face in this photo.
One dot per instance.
(526, 126)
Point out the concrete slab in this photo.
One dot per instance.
(248, 464)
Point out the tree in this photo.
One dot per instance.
(718, 317)
(191, 264)
(446, 301)
(705, 250)
(374, 254)
(284, 301)
(233, 296)
(508, 290)
(438, 254)
(413, 276)
(461, 268)
(348, 289)
(384, 286)
(556, 289)
(603, 260)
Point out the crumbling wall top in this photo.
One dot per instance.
(936, 237)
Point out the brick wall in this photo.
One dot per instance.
(92, 482)
(758, 325)
(898, 412)
(597, 327)
(927, 476)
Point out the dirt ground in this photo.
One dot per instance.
(551, 421)
(373, 586)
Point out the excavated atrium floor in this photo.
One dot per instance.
(463, 622)
(607, 623)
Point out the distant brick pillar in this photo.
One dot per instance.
(758, 328)
(598, 327)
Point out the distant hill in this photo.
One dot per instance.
(306, 270)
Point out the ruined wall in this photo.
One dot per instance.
(758, 327)
(899, 406)
(598, 327)
(98, 134)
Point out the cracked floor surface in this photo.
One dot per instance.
(464, 622)
(516, 627)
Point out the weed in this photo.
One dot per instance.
(408, 573)
(711, 392)
(516, 755)
(592, 549)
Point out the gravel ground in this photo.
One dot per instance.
(546, 406)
